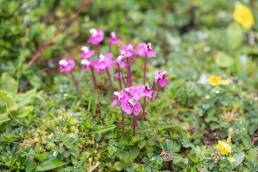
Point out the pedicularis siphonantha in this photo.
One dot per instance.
(130, 96)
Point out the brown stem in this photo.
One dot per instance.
(134, 124)
(110, 81)
(129, 74)
(76, 84)
(157, 95)
(145, 70)
(123, 121)
(93, 78)
(120, 77)
(143, 108)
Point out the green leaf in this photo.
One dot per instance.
(4, 117)
(235, 35)
(49, 165)
(25, 111)
(128, 155)
(7, 83)
(25, 98)
(119, 165)
(7, 101)
(238, 159)
(104, 129)
(223, 60)
(171, 146)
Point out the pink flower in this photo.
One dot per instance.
(131, 106)
(86, 52)
(113, 39)
(120, 60)
(96, 36)
(127, 51)
(117, 98)
(103, 63)
(129, 98)
(147, 91)
(117, 75)
(141, 91)
(161, 78)
(86, 64)
(66, 65)
(145, 50)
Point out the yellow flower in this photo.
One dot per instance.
(243, 15)
(231, 159)
(216, 80)
(223, 147)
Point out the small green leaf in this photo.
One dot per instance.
(4, 117)
(129, 155)
(7, 83)
(25, 111)
(238, 159)
(49, 165)
(7, 101)
(104, 129)
(235, 35)
(223, 60)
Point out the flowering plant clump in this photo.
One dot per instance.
(130, 96)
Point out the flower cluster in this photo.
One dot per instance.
(130, 96)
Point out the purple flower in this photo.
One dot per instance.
(113, 39)
(161, 78)
(66, 65)
(117, 75)
(117, 98)
(145, 50)
(127, 51)
(86, 64)
(120, 60)
(129, 98)
(86, 52)
(103, 63)
(131, 107)
(96, 36)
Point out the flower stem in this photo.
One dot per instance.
(143, 108)
(134, 124)
(129, 74)
(93, 78)
(98, 49)
(110, 81)
(144, 81)
(123, 121)
(76, 84)
(157, 94)
(120, 76)
(154, 89)
(109, 48)
(145, 70)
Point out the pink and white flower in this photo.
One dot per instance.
(86, 53)
(127, 51)
(86, 64)
(96, 36)
(66, 65)
(120, 60)
(113, 39)
(161, 78)
(145, 50)
(104, 62)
